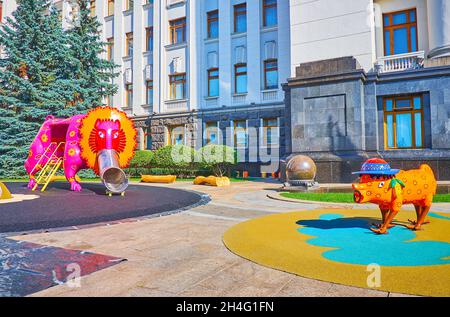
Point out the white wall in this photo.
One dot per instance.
(324, 29)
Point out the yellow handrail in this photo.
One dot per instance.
(50, 168)
(52, 173)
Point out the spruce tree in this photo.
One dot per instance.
(93, 73)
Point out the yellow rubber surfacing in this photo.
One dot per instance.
(274, 241)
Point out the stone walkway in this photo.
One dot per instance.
(183, 254)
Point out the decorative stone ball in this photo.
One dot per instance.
(301, 168)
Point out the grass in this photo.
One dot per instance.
(346, 197)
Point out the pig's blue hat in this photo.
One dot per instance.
(376, 166)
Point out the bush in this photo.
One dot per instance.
(141, 161)
(218, 158)
(175, 157)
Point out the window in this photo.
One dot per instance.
(270, 13)
(110, 49)
(403, 122)
(129, 44)
(1, 10)
(110, 7)
(211, 135)
(109, 101)
(148, 139)
(240, 133)
(130, 4)
(178, 31)
(177, 86)
(271, 74)
(240, 78)
(149, 39)
(149, 92)
(240, 18)
(148, 1)
(176, 135)
(129, 95)
(213, 82)
(270, 132)
(92, 7)
(400, 32)
(213, 24)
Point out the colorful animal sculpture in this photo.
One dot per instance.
(104, 134)
(390, 189)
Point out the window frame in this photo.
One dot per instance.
(173, 84)
(235, 144)
(237, 13)
(211, 77)
(173, 27)
(210, 20)
(92, 7)
(394, 113)
(110, 48)
(236, 74)
(391, 28)
(266, 69)
(265, 7)
(129, 7)
(149, 38)
(110, 7)
(170, 133)
(265, 129)
(129, 36)
(128, 94)
(148, 84)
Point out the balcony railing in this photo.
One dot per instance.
(269, 95)
(400, 62)
(175, 105)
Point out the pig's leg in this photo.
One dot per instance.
(387, 223)
(419, 211)
(384, 215)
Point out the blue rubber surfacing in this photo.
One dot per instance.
(354, 243)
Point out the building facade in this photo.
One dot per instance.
(383, 90)
(339, 81)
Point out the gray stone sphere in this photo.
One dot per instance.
(301, 168)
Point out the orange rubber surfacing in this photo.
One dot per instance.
(334, 245)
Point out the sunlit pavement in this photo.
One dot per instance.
(183, 254)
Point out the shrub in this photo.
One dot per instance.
(175, 157)
(141, 161)
(218, 158)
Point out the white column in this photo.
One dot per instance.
(225, 66)
(119, 47)
(283, 42)
(253, 52)
(439, 27)
(138, 49)
(192, 59)
(157, 56)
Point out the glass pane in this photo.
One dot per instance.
(180, 35)
(240, 137)
(179, 91)
(213, 87)
(241, 84)
(400, 41)
(271, 16)
(412, 16)
(390, 130)
(386, 20)
(214, 29)
(271, 79)
(149, 96)
(417, 102)
(399, 18)
(418, 129)
(389, 104)
(402, 104)
(404, 130)
(413, 39)
(387, 42)
(241, 23)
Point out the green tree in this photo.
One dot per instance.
(218, 158)
(91, 74)
(34, 47)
